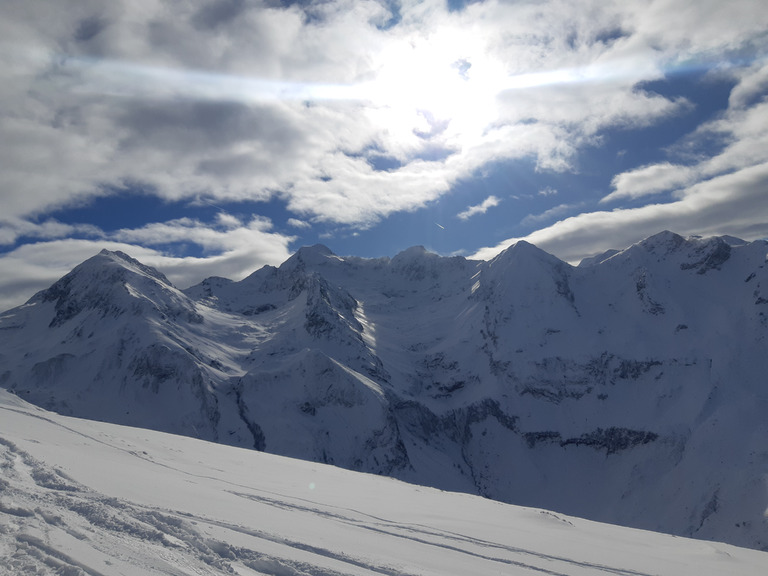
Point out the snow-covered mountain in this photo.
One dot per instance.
(631, 389)
(81, 497)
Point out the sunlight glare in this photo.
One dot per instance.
(447, 79)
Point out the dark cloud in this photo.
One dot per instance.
(217, 13)
(201, 125)
(611, 35)
(89, 28)
(232, 165)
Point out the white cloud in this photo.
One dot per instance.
(197, 100)
(296, 223)
(481, 208)
(228, 220)
(551, 214)
(256, 101)
(724, 193)
(13, 228)
(745, 131)
(649, 180)
(231, 252)
(753, 86)
(734, 204)
(227, 249)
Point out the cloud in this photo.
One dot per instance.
(230, 249)
(743, 129)
(649, 180)
(481, 208)
(218, 13)
(11, 229)
(551, 214)
(217, 243)
(719, 194)
(752, 87)
(296, 223)
(241, 100)
(228, 220)
(732, 204)
(295, 102)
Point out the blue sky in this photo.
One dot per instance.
(213, 137)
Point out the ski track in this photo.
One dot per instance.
(59, 510)
(43, 517)
(446, 540)
(61, 505)
(52, 523)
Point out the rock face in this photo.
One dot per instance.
(630, 389)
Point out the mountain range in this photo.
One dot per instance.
(630, 389)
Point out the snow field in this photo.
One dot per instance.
(81, 497)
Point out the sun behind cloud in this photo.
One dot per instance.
(444, 83)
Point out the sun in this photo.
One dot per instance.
(444, 83)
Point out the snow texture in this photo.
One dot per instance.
(79, 497)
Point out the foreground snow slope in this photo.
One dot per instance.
(81, 497)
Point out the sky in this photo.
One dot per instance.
(214, 137)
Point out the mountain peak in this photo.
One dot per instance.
(311, 256)
(522, 250)
(417, 263)
(664, 242)
(413, 251)
(411, 254)
(316, 249)
(110, 281)
(693, 253)
(105, 257)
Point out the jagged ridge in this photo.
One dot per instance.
(621, 390)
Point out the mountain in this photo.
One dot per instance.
(630, 389)
(82, 497)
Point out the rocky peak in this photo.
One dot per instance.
(309, 257)
(134, 265)
(663, 243)
(112, 283)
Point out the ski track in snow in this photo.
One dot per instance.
(48, 510)
(443, 539)
(53, 521)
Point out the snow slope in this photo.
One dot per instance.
(630, 389)
(80, 497)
